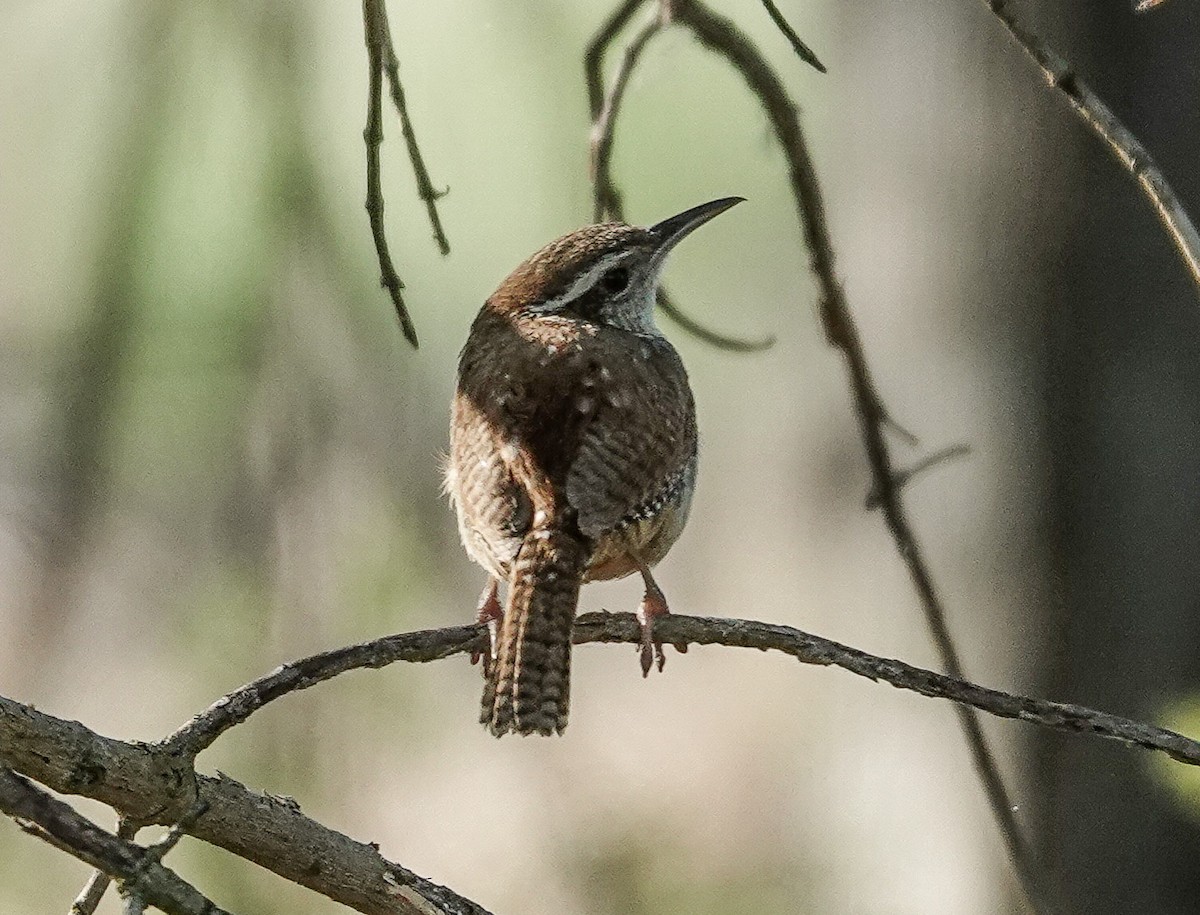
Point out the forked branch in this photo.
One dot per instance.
(381, 60)
(139, 869)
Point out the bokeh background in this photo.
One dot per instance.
(219, 454)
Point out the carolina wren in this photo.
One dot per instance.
(572, 452)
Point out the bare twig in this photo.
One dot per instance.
(375, 27)
(904, 477)
(1062, 77)
(606, 197)
(803, 51)
(723, 37)
(607, 200)
(593, 57)
(60, 825)
(91, 894)
(667, 306)
(93, 891)
(425, 188)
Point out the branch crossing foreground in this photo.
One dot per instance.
(157, 783)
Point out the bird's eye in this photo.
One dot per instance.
(615, 280)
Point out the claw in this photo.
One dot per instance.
(490, 612)
(653, 605)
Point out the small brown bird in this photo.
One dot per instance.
(573, 452)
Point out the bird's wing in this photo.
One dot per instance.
(639, 438)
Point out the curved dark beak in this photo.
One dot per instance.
(671, 231)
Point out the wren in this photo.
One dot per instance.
(573, 452)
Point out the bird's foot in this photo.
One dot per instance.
(653, 605)
(492, 613)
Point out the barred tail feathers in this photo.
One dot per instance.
(528, 687)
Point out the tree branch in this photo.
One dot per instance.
(375, 27)
(606, 196)
(137, 868)
(1062, 77)
(155, 783)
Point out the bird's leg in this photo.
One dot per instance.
(489, 612)
(653, 605)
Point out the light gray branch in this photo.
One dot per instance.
(154, 783)
(66, 830)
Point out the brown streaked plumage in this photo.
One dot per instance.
(573, 451)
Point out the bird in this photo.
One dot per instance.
(573, 453)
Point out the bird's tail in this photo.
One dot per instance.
(528, 686)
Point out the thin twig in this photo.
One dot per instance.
(606, 201)
(93, 891)
(904, 477)
(722, 36)
(676, 629)
(667, 306)
(803, 51)
(60, 825)
(134, 903)
(593, 57)
(1062, 77)
(606, 197)
(377, 42)
(425, 188)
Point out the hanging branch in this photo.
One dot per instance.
(607, 200)
(724, 38)
(803, 51)
(1063, 78)
(381, 59)
(425, 188)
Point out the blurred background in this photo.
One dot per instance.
(220, 455)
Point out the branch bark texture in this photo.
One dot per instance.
(156, 782)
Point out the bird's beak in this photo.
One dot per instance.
(670, 232)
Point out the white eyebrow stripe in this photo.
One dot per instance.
(581, 285)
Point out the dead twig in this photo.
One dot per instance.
(381, 60)
(1063, 78)
(425, 188)
(606, 196)
(93, 891)
(803, 51)
(58, 824)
